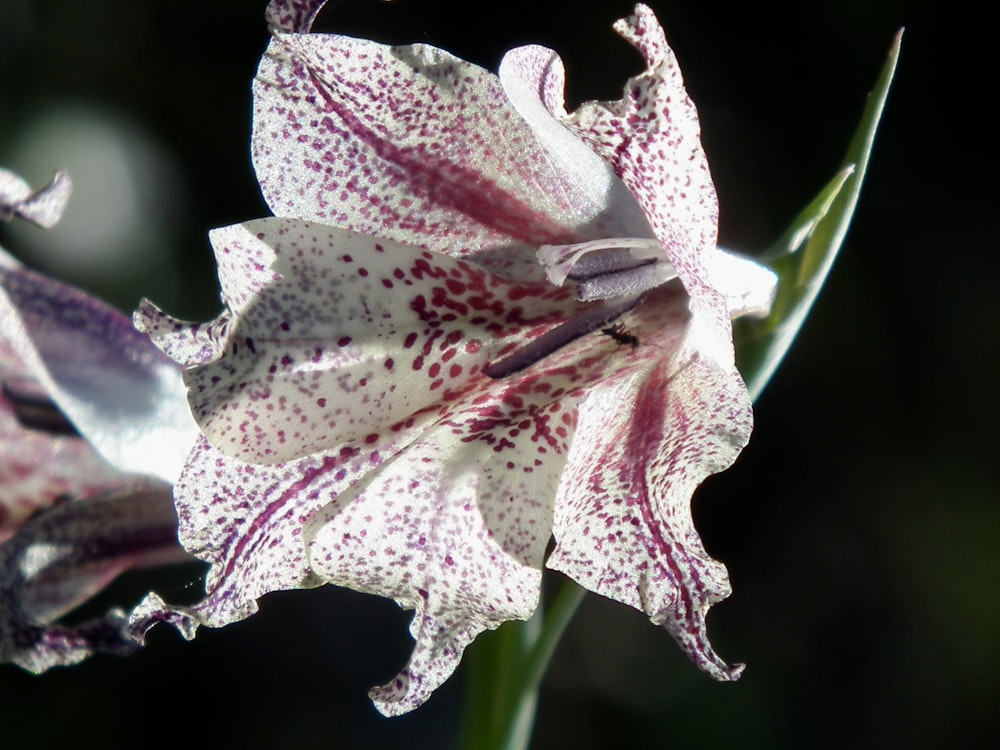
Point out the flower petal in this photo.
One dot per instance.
(623, 525)
(748, 286)
(349, 337)
(61, 557)
(455, 527)
(424, 509)
(43, 207)
(651, 137)
(415, 145)
(246, 520)
(533, 78)
(123, 395)
(292, 16)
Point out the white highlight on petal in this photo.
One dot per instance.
(748, 286)
(152, 440)
(533, 77)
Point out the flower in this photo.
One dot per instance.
(475, 323)
(94, 425)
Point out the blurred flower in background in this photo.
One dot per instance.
(118, 225)
(93, 427)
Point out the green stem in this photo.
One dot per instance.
(504, 671)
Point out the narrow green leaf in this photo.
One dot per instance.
(762, 344)
(805, 223)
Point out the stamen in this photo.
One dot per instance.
(605, 261)
(588, 321)
(559, 260)
(630, 282)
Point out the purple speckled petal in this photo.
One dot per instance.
(461, 533)
(60, 558)
(124, 396)
(623, 524)
(651, 140)
(448, 512)
(651, 137)
(460, 520)
(292, 16)
(247, 520)
(415, 145)
(448, 515)
(350, 337)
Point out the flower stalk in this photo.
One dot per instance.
(504, 673)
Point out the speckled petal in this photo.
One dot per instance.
(415, 145)
(460, 521)
(447, 510)
(247, 520)
(651, 137)
(350, 337)
(623, 524)
(125, 397)
(62, 557)
(292, 16)
(449, 517)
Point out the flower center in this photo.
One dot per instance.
(616, 273)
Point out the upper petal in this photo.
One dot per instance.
(292, 16)
(651, 137)
(533, 79)
(409, 143)
(125, 397)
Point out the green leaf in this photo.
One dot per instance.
(822, 225)
(802, 227)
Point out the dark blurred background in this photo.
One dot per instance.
(861, 525)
